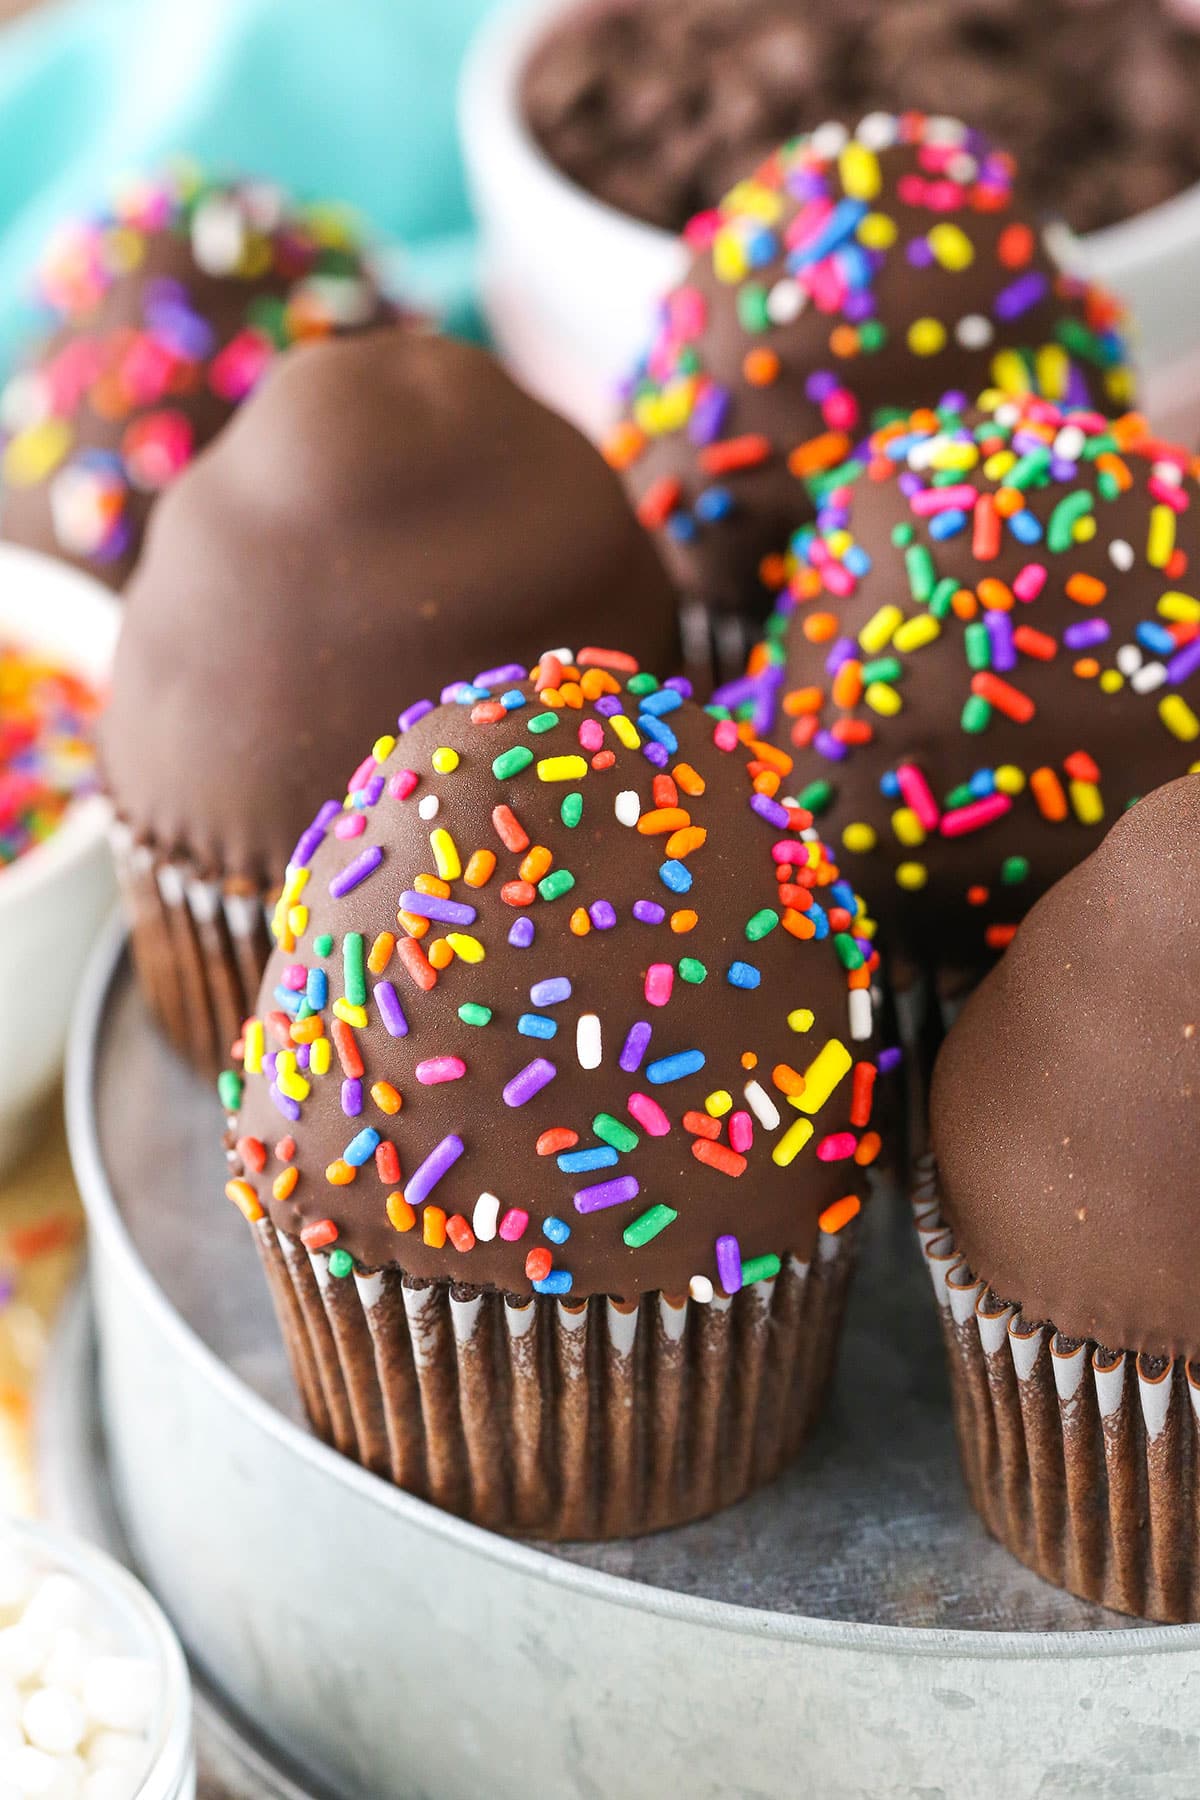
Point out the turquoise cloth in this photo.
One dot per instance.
(336, 99)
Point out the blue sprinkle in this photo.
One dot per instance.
(557, 1230)
(744, 974)
(662, 734)
(558, 1281)
(713, 504)
(674, 1068)
(982, 783)
(290, 1000)
(857, 560)
(551, 991)
(316, 989)
(1155, 638)
(513, 699)
(762, 247)
(682, 527)
(1026, 527)
(820, 919)
(536, 1025)
(675, 875)
(947, 524)
(361, 1149)
(520, 934)
(842, 894)
(890, 786)
(578, 1162)
(663, 702)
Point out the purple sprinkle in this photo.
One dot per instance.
(287, 1107)
(602, 915)
(910, 483)
(390, 1009)
(709, 415)
(1078, 393)
(1184, 663)
(831, 748)
(504, 676)
(843, 651)
(352, 1097)
(1086, 634)
(770, 810)
(520, 934)
(607, 1193)
(1021, 295)
(918, 253)
(729, 1264)
(735, 693)
(607, 705)
(655, 753)
(550, 992)
(373, 792)
(889, 1059)
(820, 385)
(648, 912)
(306, 848)
(1062, 470)
(356, 872)
(432, 906)
(409, 717)
(859, 306)
(303, 1056)
(436, 1164)
(636, 1045)
(680, 684)
(270, 1064)
(531, 1080)
(1000, 636)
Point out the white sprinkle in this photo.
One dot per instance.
(483, 1219)
(940, 128)
(1069, 443)
(589, 1043)
(761, 1105)
(1147, 678)
(973, 331)
(627, 807)
(860, 1013)
(962, 168)
(564, 655)
(829, 139)
(877, 130)
(218, 235)
(427, 807)
(1168, 472)
(786, 301)
(701, 1289)
(1120, 555)
(1129, 659)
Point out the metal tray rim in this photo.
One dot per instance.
(104, 1222)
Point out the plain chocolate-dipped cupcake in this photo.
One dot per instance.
(166, 308)
(379, 503)
(850, 276)
(557, 1108)
(987, 647)
(1059, 1222)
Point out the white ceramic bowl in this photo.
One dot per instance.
(53, 899)
(569, 284)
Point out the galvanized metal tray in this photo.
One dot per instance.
(851, 1631)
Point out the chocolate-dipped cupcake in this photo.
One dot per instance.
(850, 276)
(167, 308)
(986, 649)
(379, 503)
(557, 1108)
(1059, 1225)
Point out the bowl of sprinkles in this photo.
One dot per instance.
(58, 631)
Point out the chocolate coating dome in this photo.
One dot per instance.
(383, 507)
(989, 644)
(168, 308)
(621, 1043)
(850, 275)
(1065, 1097)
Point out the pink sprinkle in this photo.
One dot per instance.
(402, 783)
(440, 1068)
(789, 850)
(936, 500)
(350, 825)
(702, 228)
(975, 816)
(591, 735)
(917, 795)
(1029, 581)
(837, 1147)
(660, 979)
(294, 977)
(725, 735)
(649, 1114)
(839, 410)
(838, 579)
(688, 311)
(1170, 495)
(512, 1225)
(362, 774)
(741, 1132)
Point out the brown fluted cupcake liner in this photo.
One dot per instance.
(554, 1418)
(1083, 1461)
(199, 946)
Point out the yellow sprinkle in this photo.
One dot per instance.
(319, 1056)
(350, 1015)
(254, 1045)
(445, 760)
(1009, 373)
(1180, 609)
(466, 946)
(1084, 530)
(858, 166)
(729, 257)
(839, 541)
(293, 1085)
(952, 247)
(1009, 779)
(951, 455)
(926, 337)
(998, 465)
(34, 454)
(297, 920)
(915, 633)
(859, 837)
(877, 231)
(789, 1146)
(829, 1066)
(445, 850)
(1087, 801)
(752, 197)
(880, 628)
(1160, 537)
(562, 768)
(1112, 681)
(1179, 718)
(625, 731)
(912, 876)
(884, 699)
(1053, 367)
(801, 1019)
(382, 748)
(718, 1103)
(1194, 768)
(908, 828)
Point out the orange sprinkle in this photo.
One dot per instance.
(964, 605)
(839, 1215)
(579, 922)
(820, 627)
(441, 955)
(797, 925)
(1087, 590)
(1015, 246)
(340, 1173)
(386, 1097)
(417, 965)
(380, 954)
(995, 595)
(690, 837)
(623, 444)
(460, 1234)
(662, 819)
(1087, 668)
(664, 790)
(869, 1146)
(760, 367)
(536, 863)
(594, 683)
(659, 502)
(803, 700)
(413, 924)
(1008, 502)
(1117, 468)
(844, 341)
(773, 757)
(684, 920)
(1047, 791)
(481, 866)
(431, 884)
(400, 1214)
(734, 453)
(848, 685)
(346, 1045)
(559, 1137)
(749, 1060)
(818, 453)
(787, 1079)
(598, 656)
(433, 1226)
(773, 572)
(284, 1184)
(245, 1199)
(307, 1031)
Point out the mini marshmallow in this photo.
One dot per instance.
(118, 1691)
(54, 1720)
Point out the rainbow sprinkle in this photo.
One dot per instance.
(47, 748)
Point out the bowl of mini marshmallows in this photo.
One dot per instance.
(95, 1702)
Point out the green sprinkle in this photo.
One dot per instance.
(843, 476)
(978, 646)
(903, 535)
(643, 683)
(1074, 335)
(763, 922)
(651, 1223)
(942, 596)
(882, 668)
(976, 714)
(760, 1268)
(542, 722)
(1014, 869)
(471, 1013)
(688, 362)
(959, 796)
(323, 945)
(922, 575)
(752, 306)
(693, 970)
(872, 335)
(571, 810)
(1030, 470)
(849, 954)
(1107, 485)
(816, 797)
(229, 1088)
(512, 762)
(615, 1133)
(341, 1264)
(354, 973)
(556, 884)
(1060, 531)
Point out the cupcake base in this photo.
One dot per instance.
(1083, 1461)
(555, 1419)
